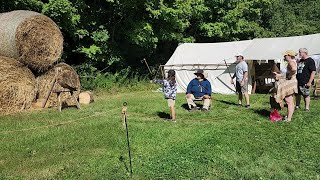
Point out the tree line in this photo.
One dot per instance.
(112, 35)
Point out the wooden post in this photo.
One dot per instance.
(145, 61)
(53, 82)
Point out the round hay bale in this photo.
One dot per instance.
(86, 97)
(31, 38)
(67, 78)
(18, 86)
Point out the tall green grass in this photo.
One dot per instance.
(121, 81)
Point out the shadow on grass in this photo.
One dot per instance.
(163, 115)
(228, 103)
(186, 107)
(262, 112)
(315, 97)
(122, 159)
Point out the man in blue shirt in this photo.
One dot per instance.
(199, 88)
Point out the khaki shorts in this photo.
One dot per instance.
(171, 102)
(242, 89)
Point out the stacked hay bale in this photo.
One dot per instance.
(18, 86)
(29, 40)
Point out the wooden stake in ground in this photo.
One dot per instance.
(124, 113)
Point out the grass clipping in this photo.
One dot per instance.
(66, 78)
(32, 38)
(17, 89)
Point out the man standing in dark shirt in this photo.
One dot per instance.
(306, 71)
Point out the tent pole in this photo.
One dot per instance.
(229, 73)
(162, 71)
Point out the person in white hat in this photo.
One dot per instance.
(241, 76)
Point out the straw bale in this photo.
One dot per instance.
(31, 38)
(18, 86)
(66, 78)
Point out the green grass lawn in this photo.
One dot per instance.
(228, 142)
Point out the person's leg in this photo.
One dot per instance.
(190, 98)
(171, 104)
(246, 94)
(244, 90)
(238, 90)
(298, 100)
(290, 103)
(307, 102)
(173, 113)
(206, 102)
(240, 97)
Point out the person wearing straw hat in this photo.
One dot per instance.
(199, 88)
(305, 76)
(241, 76)
(287, 84)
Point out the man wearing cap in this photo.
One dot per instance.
(305, 76)
(199, 88)
(241, 75)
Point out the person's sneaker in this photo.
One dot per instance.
(239, 105)
(247, 106)
(297, 107)
(204, 110)
(285, 119)
(307, 110)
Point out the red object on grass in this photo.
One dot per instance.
(275, 116)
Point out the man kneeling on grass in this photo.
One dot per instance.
(199, 88)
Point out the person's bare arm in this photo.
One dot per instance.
(313, 74)
(245, 76)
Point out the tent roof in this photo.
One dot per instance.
(272, 48)
(256, 49)
(206, 53)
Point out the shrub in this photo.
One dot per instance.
(123, 80)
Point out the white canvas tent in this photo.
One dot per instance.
(272, 48)
(210, 56)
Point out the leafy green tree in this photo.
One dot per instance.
(111, 35)
(292, 18)
(9, 5)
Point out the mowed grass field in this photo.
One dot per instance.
(229, 142)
